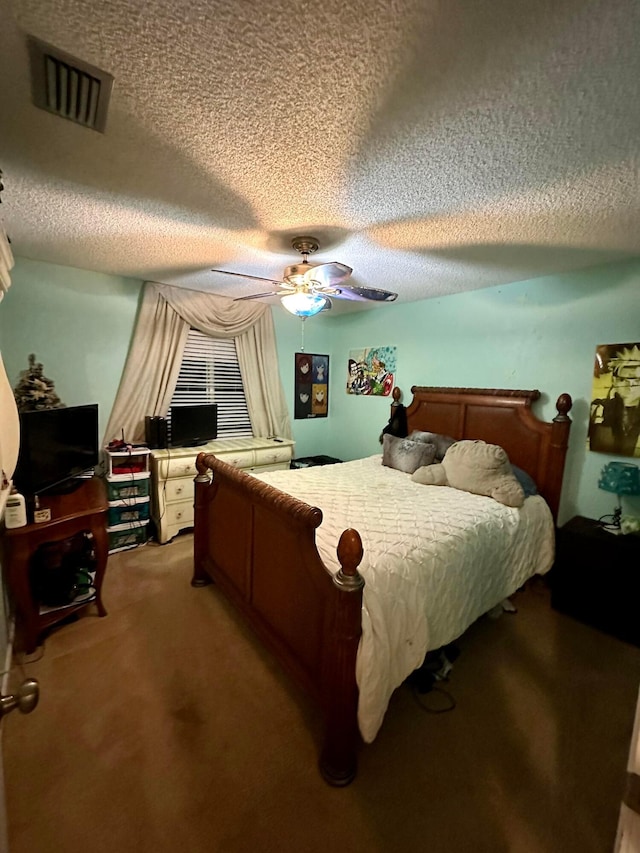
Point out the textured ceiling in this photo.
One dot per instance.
(435, 146)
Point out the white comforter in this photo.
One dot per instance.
(435, 559)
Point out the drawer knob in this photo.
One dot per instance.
(179, 490)
(179, 514)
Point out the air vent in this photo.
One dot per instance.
(69, 87)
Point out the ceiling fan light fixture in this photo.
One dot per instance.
(303, 304)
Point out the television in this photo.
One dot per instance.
(193, 425)
(56, 445)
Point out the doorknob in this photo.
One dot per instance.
(25, 699)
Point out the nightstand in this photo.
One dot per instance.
(82, 509)
(596, 577)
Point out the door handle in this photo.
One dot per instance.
(25, 700)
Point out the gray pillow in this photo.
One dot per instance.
(442, 442)
(406, 455)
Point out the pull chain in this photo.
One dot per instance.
(302, 319)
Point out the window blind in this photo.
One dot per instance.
(210, 373)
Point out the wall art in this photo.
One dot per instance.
(311, 385)
(614, 417)
(371, 371)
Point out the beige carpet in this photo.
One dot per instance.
(164, 727)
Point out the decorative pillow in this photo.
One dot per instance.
(430, 475)
(528, 483)
(442, 442)
(405, 455)
(476, 467)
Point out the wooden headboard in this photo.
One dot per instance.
(503, 417)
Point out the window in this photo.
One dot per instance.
(210, 373)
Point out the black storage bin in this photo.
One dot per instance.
(310, 461)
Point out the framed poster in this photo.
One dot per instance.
(371, 371)
(614, 416)
(311, 385)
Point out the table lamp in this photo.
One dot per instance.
(621, 478)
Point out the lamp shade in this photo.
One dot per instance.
(303, 304)
(621, 478)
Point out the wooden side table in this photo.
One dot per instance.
(83, 509)
(596, 577)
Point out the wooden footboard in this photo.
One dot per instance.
(258, 545)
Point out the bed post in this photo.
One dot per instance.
(560, 428)
(202, 489)
(338, 762)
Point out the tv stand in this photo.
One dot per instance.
(83, 509)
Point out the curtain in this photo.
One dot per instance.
(9, 421)
(153, 364)
(6, 263)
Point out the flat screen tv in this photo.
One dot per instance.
(193, 425)
(55, 446)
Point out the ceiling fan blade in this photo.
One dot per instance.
(243, 275)
(328, 275)
(260, 295)
(365, 294)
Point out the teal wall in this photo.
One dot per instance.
(77, 323)
(534, 334)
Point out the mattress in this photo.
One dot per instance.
(435, 559)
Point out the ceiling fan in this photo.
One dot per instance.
(306, 289)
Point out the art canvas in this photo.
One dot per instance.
(311, 385)
(371, 371)
(614, 418)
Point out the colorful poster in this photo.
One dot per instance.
(311, 386)
(371, 371)
(614, 417)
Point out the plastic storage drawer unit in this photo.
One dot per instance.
(123, 536)
(135, 486)
(127, 511)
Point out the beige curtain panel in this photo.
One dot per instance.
(153, 364)
(6, 263)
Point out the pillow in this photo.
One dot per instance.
(476, 467)
(430, 475)
(406, 455)
(528, 483)
(483, 469)
(442, 442)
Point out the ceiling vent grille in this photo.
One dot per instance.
(69, 87)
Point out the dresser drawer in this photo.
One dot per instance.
(179, 514)
(271, 455)
(179, 467)
(179, 490)
(237, 458)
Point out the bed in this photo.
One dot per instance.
(312, 592)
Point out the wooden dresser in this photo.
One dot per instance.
(173, 471)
